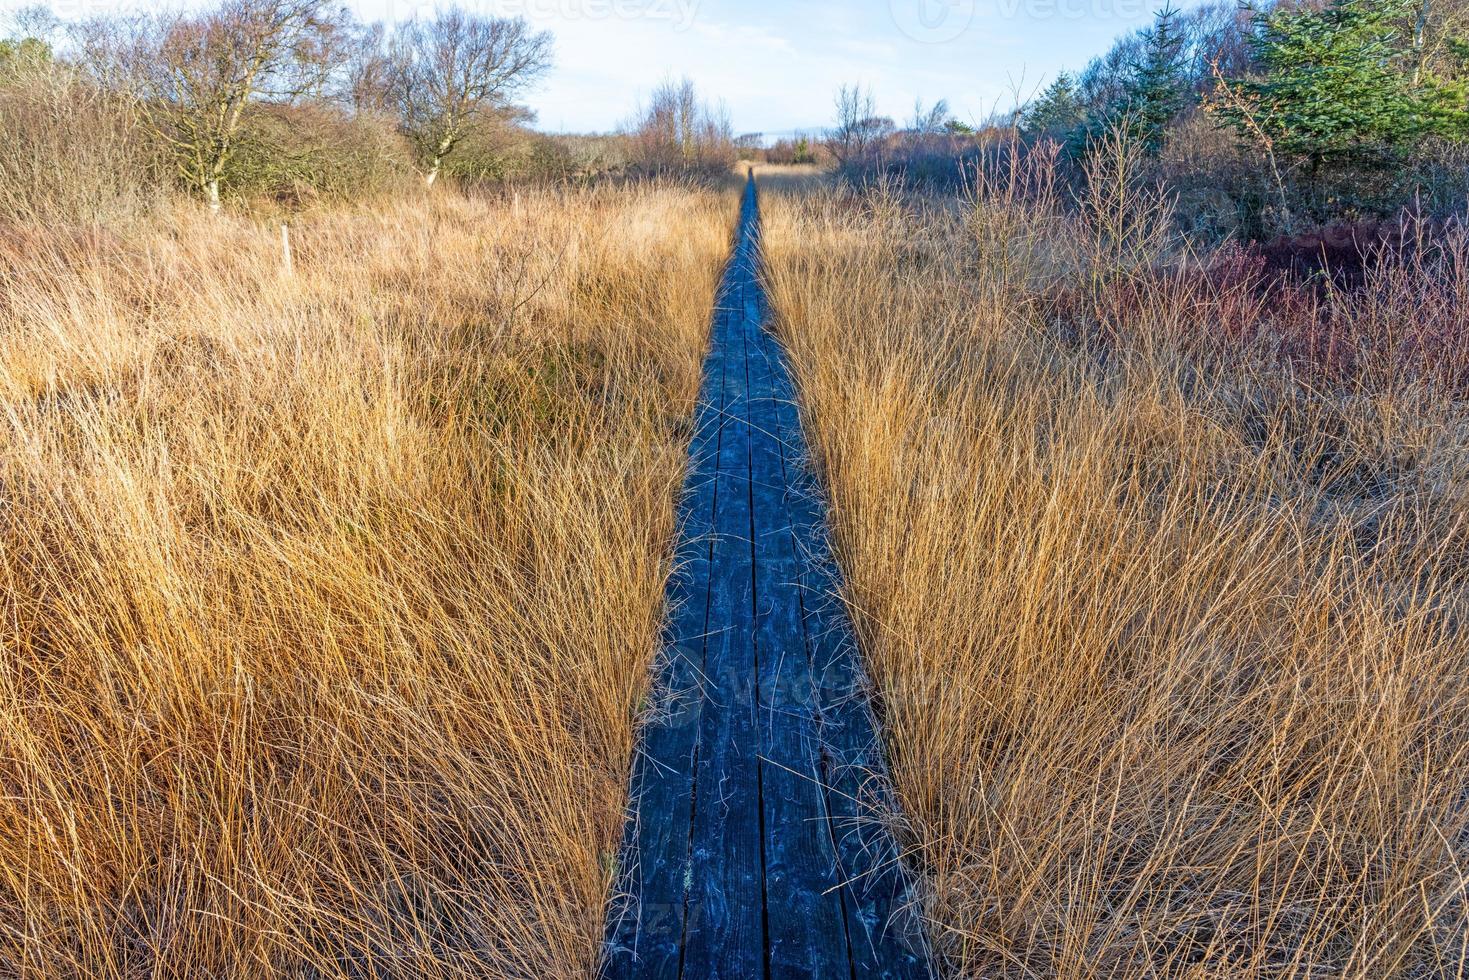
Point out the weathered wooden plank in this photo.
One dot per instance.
(725, 928)
(749, 855)
(646, 921)
(884, 932)
(807, 931)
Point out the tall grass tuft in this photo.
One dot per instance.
(327, 600)
(1166, 622)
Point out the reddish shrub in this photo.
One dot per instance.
(1396, 315)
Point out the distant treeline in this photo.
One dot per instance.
(1262, 119)
(294, 101)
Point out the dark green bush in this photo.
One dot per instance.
(300, 154)
(505, 152)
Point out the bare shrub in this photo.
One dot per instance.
(193, 78)
(859, 130)
(72, 153)
(680, 133)
(315, 152)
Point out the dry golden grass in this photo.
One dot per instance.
(1169, 644)
(326, 602)
(789, 178)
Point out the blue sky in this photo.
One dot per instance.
(777, 63)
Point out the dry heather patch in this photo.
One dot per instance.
(326, 601)
(1169, 642)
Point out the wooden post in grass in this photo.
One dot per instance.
(286, 269)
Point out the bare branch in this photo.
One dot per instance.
(194, 76)
(445, 73)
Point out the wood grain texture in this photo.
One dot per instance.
(757, 841)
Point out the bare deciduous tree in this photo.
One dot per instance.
(194, 76)
(931, 121)
(366, 81)
(680, 133)
(859, 128)
(35, 21)
(450, 71)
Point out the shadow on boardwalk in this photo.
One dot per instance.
(751, 848)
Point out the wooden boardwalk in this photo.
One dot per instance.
(751, 848)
